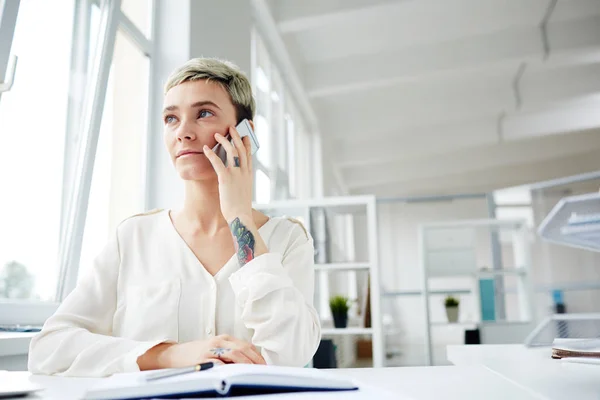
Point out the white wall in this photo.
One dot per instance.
(399, 263)
(552, 266)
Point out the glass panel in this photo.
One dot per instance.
(291, 152)
(263, 134)
(263, 187)
(140, 13)
(118, 182)
(278, 121)
(511, 196)
(33, 118)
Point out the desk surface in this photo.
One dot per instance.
(489, 371)
(419, 383)
(532, 369)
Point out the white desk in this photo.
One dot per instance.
(532, 369)
(419, 383)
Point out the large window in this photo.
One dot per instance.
(82, 77)
(33, 117)
(117, 185)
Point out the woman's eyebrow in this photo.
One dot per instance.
(205, 103)
(195, 105)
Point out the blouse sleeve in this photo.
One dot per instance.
(275, 292)
(76, 340)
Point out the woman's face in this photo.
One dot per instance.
(193, 112)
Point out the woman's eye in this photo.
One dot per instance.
(204, 114)
(170, 119)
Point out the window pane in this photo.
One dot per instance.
(33, 119)
(140, 13)
(263, 187)
(263, 134)
(118, 182)
(516, 195)
(277, 120)
(291, 144)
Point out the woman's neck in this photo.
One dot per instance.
(202, 207)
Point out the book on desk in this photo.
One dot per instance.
(225, 380)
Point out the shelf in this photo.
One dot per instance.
(478, 273)
(347, 331)
(482, 323)
(341, 266)
(420, 292)
(574, 221)
(459, 323)
(338, 205)
(513, 271)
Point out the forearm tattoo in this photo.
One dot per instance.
(243, 240)
(219, 351)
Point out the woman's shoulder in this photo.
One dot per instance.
(285, 230)
(142, 220)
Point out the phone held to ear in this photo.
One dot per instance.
(245, 129)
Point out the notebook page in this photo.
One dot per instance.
(269, 375)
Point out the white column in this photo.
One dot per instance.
(186, 29)
(222, 29)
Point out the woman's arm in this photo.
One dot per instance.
(276, 295)
(76, 340)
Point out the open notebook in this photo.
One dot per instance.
(225, 380)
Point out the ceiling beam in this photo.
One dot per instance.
(297, 16)
(465, 161)
(437, 140)
(569, 42)
(487, 180)
(434, 103)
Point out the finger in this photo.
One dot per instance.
(252, 353)
(215, 361)
(230, 354)
(232, 152)
(214, 160)
(249, 350)
(248, 145)
(240, 146)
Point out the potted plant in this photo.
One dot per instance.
(339, 310)
(451, 304)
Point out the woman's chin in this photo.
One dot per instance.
(197, 174)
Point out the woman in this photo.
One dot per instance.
(166, 290)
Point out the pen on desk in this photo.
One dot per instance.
(179, 371)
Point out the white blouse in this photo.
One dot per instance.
(147, 287)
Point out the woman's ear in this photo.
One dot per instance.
(251, 123)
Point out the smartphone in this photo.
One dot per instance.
(245, 129)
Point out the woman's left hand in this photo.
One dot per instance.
(235, 179)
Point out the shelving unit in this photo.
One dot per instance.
(573, 222)
(450, 250)
(341, 206)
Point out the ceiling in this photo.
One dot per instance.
(425, 97)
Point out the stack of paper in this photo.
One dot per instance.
(577, 350)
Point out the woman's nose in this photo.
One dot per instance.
(185, 132)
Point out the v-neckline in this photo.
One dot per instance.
(191, 253)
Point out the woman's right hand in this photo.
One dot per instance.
(224, 348)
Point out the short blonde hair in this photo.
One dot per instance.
(226, 74)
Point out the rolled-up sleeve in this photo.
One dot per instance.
(76, 340)
(275, 293)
